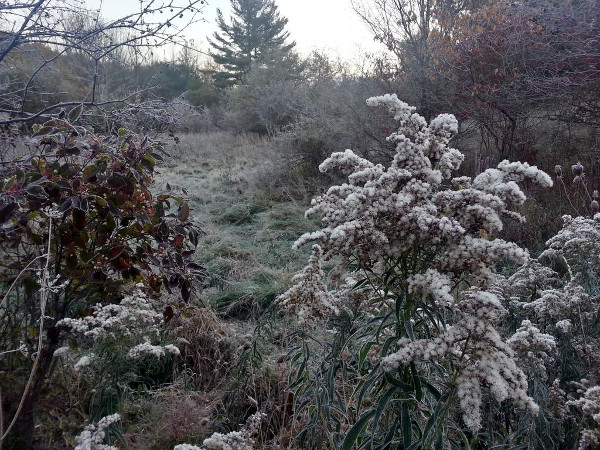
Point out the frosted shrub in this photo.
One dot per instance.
(423, 244)
(134, 316)
(117, 344)
(533, 349)
(157, 351)
(79, 210)
(578, 243)
(561, 306)
(589, 404)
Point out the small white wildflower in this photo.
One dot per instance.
(92, 437)
(236, 440)
(60, 352)
(533, 349)
(133, 312)
(154, 350)
(564, 326)
(84, 361)
(308, 298)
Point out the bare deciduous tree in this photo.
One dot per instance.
(37, 36)
(404, 27)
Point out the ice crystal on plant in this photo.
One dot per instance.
(578, 242)
(589, 404)
(564, 326)
(570, 302)
(433, 283)
(531, 279)
(60, 352)
(230, 441)
(421, 237)
(388, 211)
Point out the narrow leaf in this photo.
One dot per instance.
(357, 429)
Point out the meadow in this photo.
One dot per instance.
(269, 249)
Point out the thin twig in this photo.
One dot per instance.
(19, 276)
(1, 418)
(43, 299)
(567, 195)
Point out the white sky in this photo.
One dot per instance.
(329, 25)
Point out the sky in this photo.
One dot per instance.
(328, 25)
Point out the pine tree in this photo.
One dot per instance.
(255, 33)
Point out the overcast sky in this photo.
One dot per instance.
(329, 25)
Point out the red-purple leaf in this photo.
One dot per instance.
(115, 252)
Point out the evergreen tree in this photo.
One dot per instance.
(255, 33)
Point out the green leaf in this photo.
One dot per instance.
(432, 389)
(148, 162)
(406, 426)
(186, 291)
(100, 201)
(75, 113)
(416, 382)
(438, 414)
(184, 212)
(66, 205)
(36, 191)
(366, 386)
(9, 183)
(399, 384)
(357, 429)
(43, 131)
(193, 236)
(364, 351)
(116, 181)
(382, 405)
(79, 218)
(6, 211)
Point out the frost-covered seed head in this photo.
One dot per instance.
(577, 169)
(558, 170)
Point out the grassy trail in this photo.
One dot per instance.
(248, 214)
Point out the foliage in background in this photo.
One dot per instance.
(46, 42)
(553, 72)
